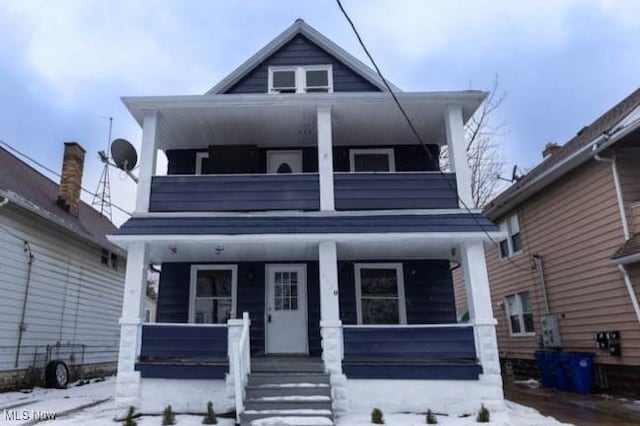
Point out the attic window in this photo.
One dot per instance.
(104, 257)
(301, 79)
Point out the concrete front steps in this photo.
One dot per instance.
(291, 389)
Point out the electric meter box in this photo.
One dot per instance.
(551, 332)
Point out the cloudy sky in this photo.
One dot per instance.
(65, 64)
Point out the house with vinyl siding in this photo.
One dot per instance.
(567, 277)
(305, 238)
(61, 280)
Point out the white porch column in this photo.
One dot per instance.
(128, 380)
(147, 160)
(234, 332)
(325, 159)
(331, 326)
(458, 153)
(476, 282)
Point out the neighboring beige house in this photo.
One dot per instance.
(573, 253)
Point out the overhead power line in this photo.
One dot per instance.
(413, 129)
(39, 164)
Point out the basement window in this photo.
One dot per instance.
(301, 79)
(513, 243)
(519, 314)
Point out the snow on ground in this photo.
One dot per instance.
(98, 409)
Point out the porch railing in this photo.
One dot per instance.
(241, 364)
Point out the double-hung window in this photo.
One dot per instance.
(301, 79)
(519, 314)
(213, 293)
(380, 293)
(513, 243)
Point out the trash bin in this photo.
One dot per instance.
(563, 371)
(580, 365)
(546, 365)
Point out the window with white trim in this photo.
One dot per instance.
(372, 160)
(200, 158)
(513, 243)
(380, 293)
(301, 79)
(213, 293)
(519, 314)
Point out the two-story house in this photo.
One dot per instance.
(306, 236)
(567, 276)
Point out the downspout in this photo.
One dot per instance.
(22, 327)
(625, 226)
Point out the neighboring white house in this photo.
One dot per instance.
(61, 281)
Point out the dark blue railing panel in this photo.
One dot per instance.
(183, 341)
(443, 343)
(235, 192)
(379, 191)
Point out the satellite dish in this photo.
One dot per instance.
(124, 154)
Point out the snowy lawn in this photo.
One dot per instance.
(92, 404)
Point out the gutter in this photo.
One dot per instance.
(601, 142)
(4, 201)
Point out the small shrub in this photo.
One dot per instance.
(129, 421)
(431, 418)
(168, 416)
(483, 415)
(210, 415)
(377, 417)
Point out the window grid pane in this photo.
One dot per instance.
(286, 291)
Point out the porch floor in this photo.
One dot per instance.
(287, 363)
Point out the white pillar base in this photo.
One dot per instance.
(128, 389)
(331, 332)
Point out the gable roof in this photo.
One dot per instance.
(610, 127)
(28, 188)
(300, 27)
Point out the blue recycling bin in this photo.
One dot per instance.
(546, 365)
(580, 366)
(563, 371)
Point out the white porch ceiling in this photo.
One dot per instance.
(290, 120)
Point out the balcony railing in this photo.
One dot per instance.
(262, 192)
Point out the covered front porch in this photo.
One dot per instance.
(370, 306)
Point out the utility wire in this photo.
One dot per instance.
(39, 164)
(413, 128)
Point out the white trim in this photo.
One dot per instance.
(300, 27)
(402, 302)
(389, 151)
(199, 157)
(234, 287)
(298, 213)
(296, 152)
(453, 237)
(183, 324)
(302, 270)
(148, 154)
(520, 313)
(300, 77)
(325, 159)
(391, 326)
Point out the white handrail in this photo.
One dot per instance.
(241, 365)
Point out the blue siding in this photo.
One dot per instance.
(235, 193)
(462, 222)
(152, 370)
(301, 51)
(173, 299)
(369, 191)
(446, 343)
(180, 342)
(410, 353)
(428, 287)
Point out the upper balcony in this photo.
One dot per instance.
(347, 151)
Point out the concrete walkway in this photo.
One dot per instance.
(570, 407)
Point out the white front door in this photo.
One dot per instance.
(286, 309)
(284, 161)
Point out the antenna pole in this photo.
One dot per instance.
(102, 197)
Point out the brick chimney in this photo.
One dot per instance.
(550, 149)
(71, 179)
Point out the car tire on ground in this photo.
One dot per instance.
(57, 375)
